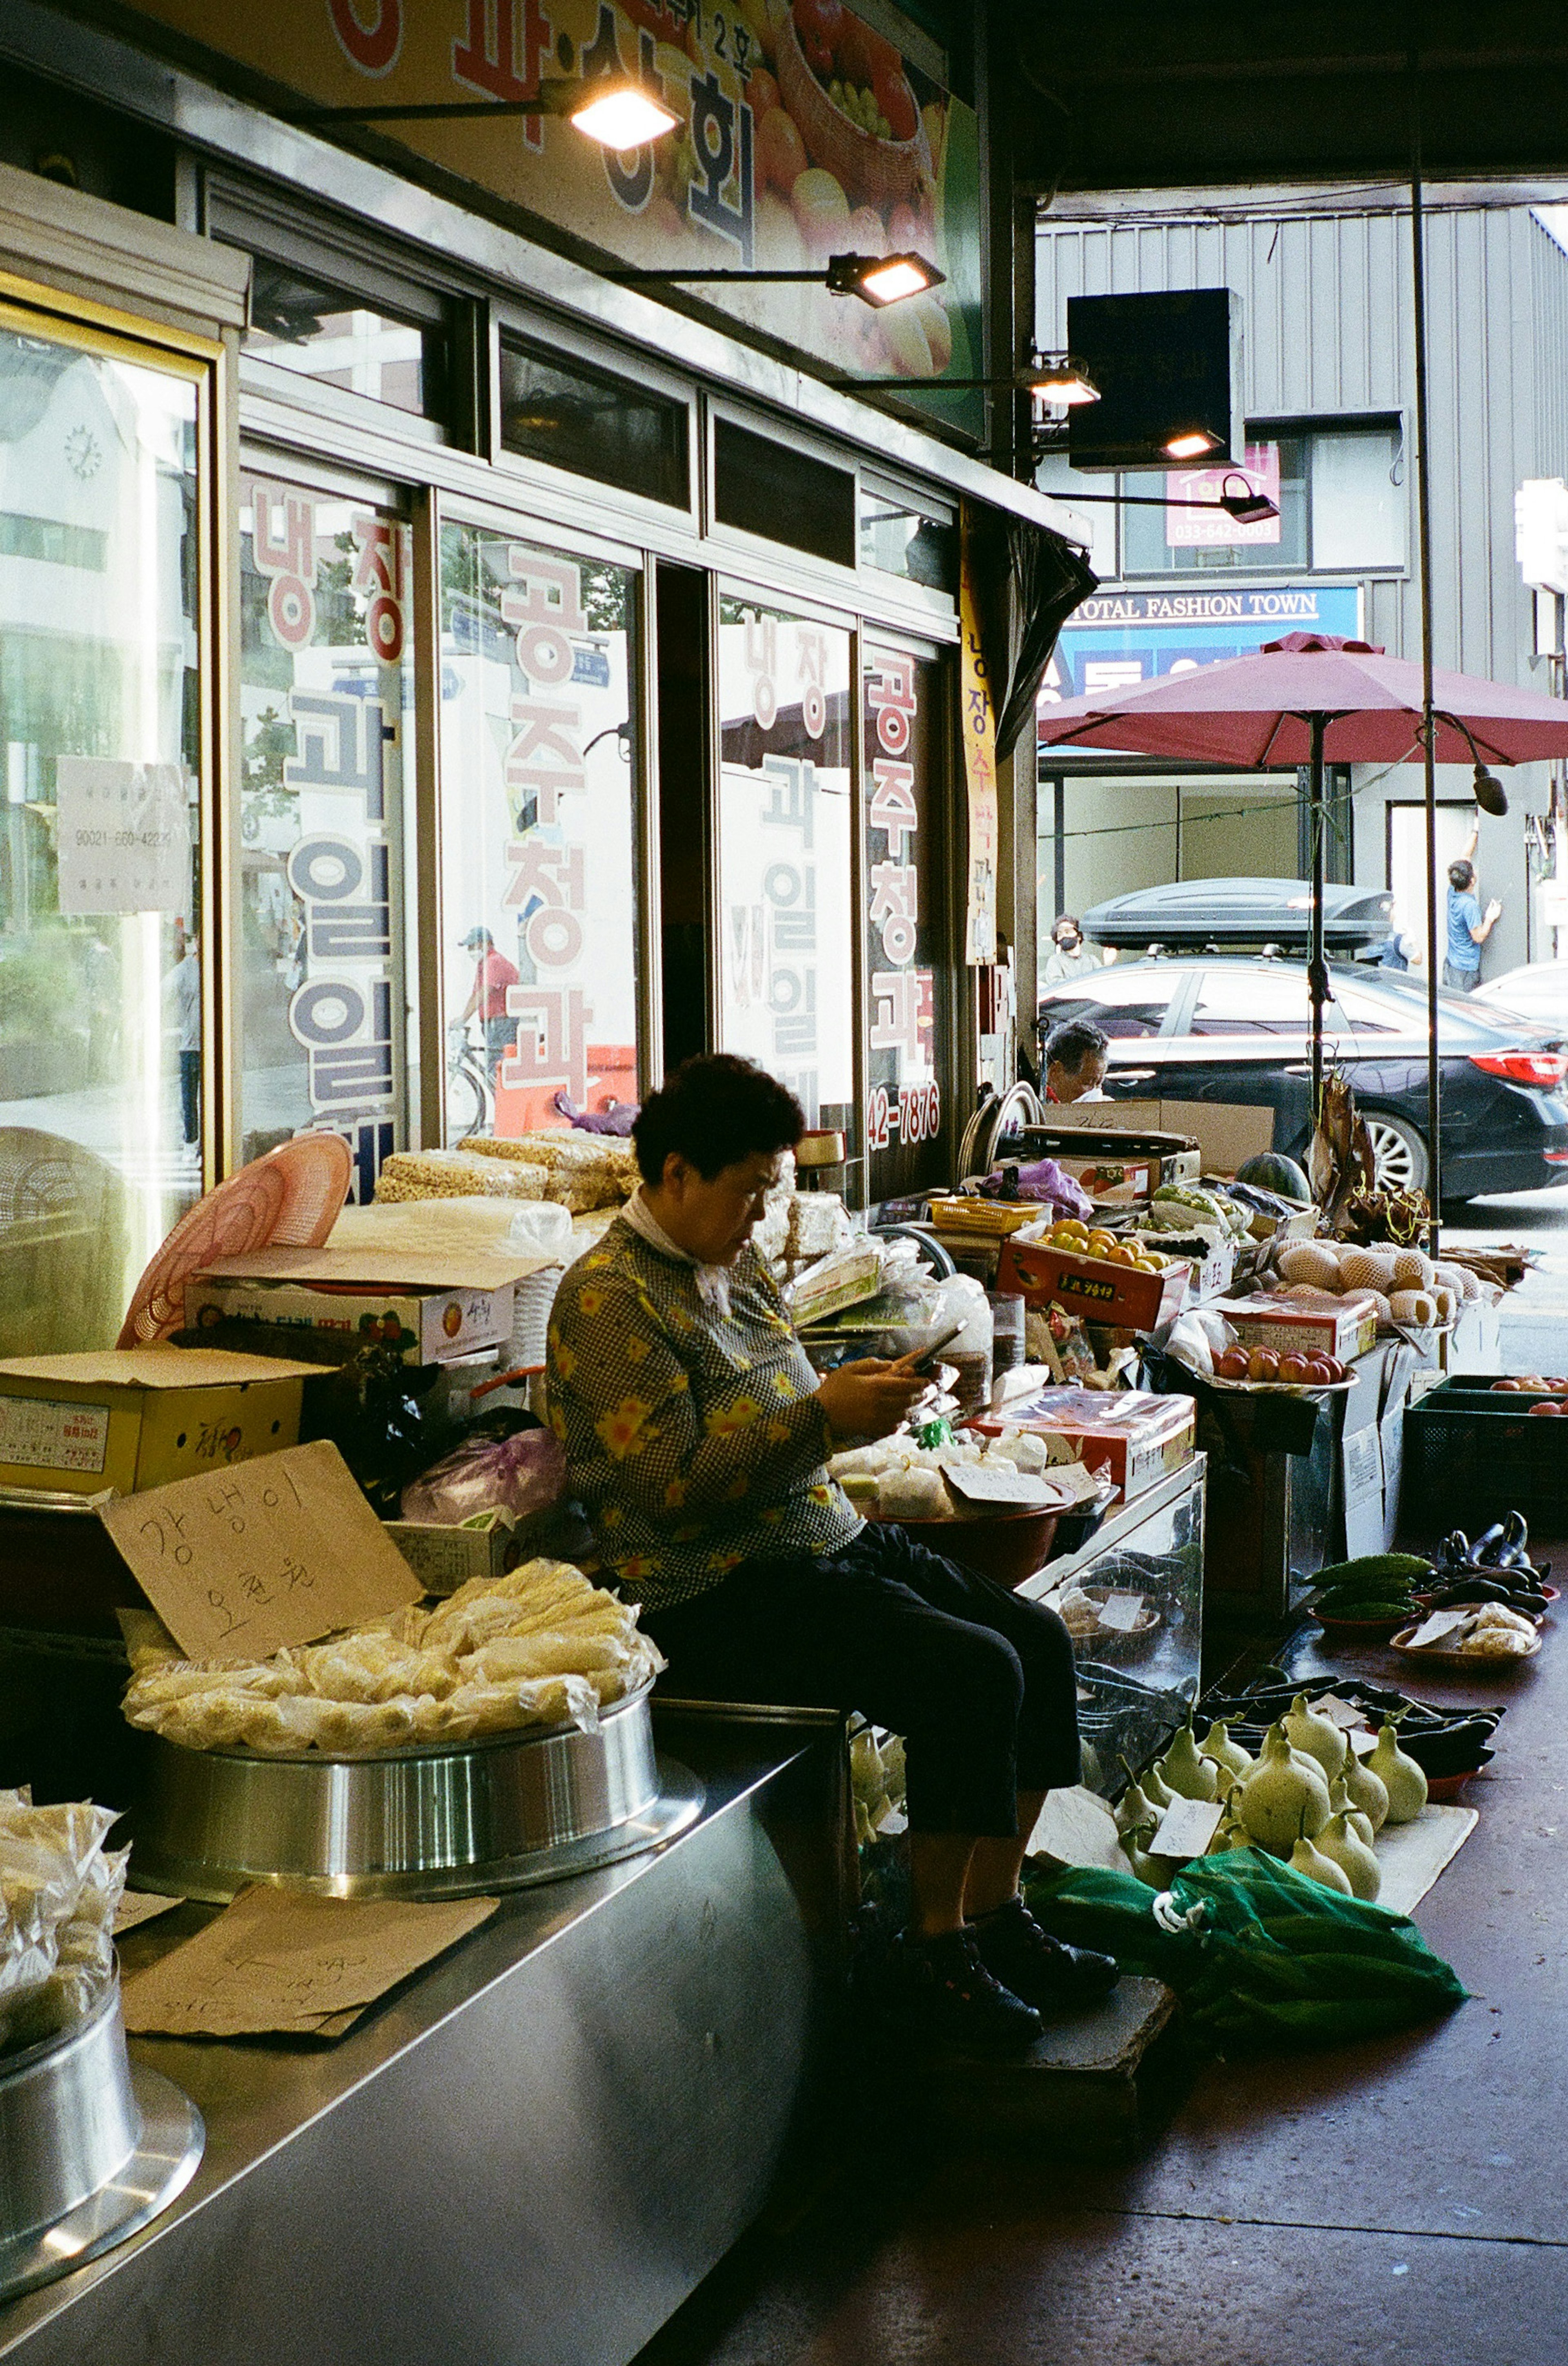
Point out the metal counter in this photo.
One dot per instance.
(535, 2151)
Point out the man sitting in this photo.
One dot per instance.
(697, 1435)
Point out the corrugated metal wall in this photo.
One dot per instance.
(1328, 328)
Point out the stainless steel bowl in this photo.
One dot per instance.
(440, 1820)
(89, 2149)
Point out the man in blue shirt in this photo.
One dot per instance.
(1467, 926)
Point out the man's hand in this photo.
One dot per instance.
(1493, 911)
(869, 1398)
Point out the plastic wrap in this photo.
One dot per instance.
(519, 1474)
(59, 1892)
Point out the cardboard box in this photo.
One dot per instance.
(426, 1326)
(444, 1557)
(1135, 1439)
(1130, 1170)
(1100, 1292)
(430, 1306)
(1342, 1327)
(1227, 1134)
(137, 1417)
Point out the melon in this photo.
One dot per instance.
(1269, 1171)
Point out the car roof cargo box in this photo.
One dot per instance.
(1230, 913)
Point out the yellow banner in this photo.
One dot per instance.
(979, 726)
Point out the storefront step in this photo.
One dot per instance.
(532, 2154)
(1096, 2086)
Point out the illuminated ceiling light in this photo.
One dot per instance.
(1058, 378)
(1192, 443)
(882, 279)
(620, 114)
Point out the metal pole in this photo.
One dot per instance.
(1424, 519)
(1317, 968)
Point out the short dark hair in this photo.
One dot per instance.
(1067, 920)
(1070, 1046)
(716, 1111)
(1462, 875)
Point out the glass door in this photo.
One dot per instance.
(101, 735)
(910, 1036)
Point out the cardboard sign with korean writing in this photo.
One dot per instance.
(275, 1552)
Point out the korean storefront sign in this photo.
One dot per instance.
(802, 133)
(1119, 637)
(323, 689)
(784, 853)
(903, 1096)
(977, 731)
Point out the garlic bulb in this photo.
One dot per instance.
(1315, 1737)
(1226, 1755)
(1184, 1772)
(1401, 1777)
(1344, 1847)
(1282, 1795)
(1306, 1859)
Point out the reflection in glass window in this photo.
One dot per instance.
(1357, 500)
(577, 418)
(906, 989)
(785, 917)
(319, 332)
(1168, 538)
(899, 540)
(1255, 1002)
(539, 915)
(100, 977)
(326, 705)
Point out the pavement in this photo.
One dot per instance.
(1393, 2202)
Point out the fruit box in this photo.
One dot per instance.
(1100, 1292)
(1343, 1327)
(135, 1418)
(1134, 1437)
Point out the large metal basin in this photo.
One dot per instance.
(89, 2149)
(441, 1820)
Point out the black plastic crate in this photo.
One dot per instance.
(1466, 1465)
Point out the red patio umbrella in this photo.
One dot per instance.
(1310, 699)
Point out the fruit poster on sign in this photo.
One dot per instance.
(802, 133)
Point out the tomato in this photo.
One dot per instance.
(780, 156)
(896, 101)
(819, 25)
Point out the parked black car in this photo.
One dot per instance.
(1226, 1028)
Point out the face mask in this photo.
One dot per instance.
(1068, 942)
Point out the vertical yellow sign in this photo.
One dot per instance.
(979, 733)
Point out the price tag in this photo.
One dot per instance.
(1440, 1623)
(1338, 1712)
(1186, 1828)
(1362, 1742)
(1012, 1489)
(1122, 1612)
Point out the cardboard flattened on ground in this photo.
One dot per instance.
(272, 1553)
(279, 1962)
(1226, 1133)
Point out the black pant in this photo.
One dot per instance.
(979, 1682)
(190, 1081)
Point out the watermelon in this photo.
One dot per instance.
(1271, 1172)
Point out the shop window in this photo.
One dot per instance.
(899, 539)
(560, 411)
(317, 332)
(1339, 490)
(909, 1032)
(787, 919)
(766, 489)
(100, 969)
(539, 834)
(1357, 499)
(326, 705)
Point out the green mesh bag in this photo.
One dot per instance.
(1260, 1957)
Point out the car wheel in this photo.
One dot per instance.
(1399, 1155)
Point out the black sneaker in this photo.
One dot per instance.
(1043, 1971)
(939, 1989)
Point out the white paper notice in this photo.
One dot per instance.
(1338, 1712)
(1186, 1828)
(1122, 1611)
(124, 836)
(1440, 1623)
(978, 1485)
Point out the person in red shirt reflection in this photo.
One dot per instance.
(492, 976)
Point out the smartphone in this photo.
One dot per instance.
(925, 1362)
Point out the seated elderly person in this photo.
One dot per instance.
(1075, 1061)
(696, 1434)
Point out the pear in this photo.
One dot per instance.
(1401, 1777)
(1282, 1797)
(1157, 1792)
(1184, 1772)
(1149, 1869)
(1306, 1859)
(1217, 1744)
(1365, 1792)
(1339, 1841)
(1134, 1807)
(1340, 1802)
(1315, 1736)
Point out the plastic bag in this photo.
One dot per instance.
(1043, 1180)
(521, 1474)
(1260, 1957)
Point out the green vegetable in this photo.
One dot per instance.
(1373, 1613)
(1271, 1172)
(1369, 1566)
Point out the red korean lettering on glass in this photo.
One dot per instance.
(283, 545)
(380, 572)
(552, 1039)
